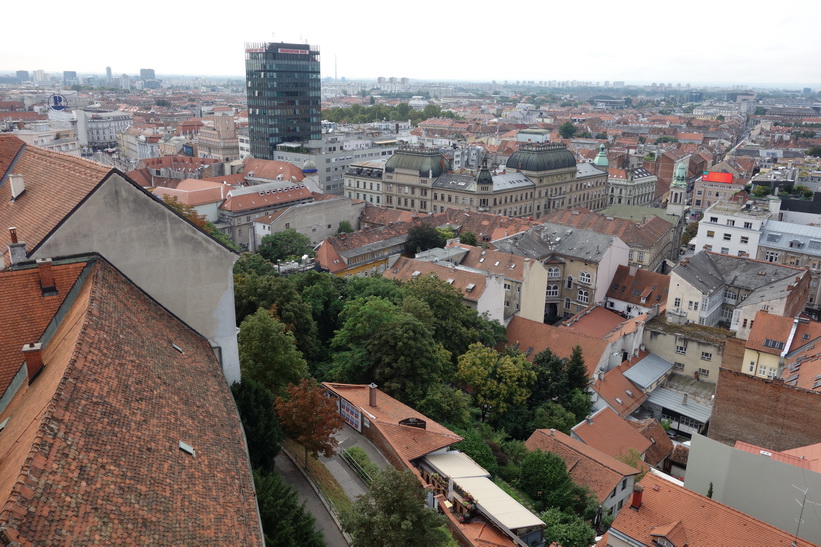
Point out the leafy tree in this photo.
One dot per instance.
(475, 446)
(497, 381)
(633, 459)
(550, 377)
(162, 102)
(814, 151)
(690, 231)
(268, 353)
(601, 136)
(446, 405)
(393, 512)
(251, 263)
(576, 370)
(578, 403)
(642, 139)
(285, 522)
(284, 245)
(256, 410)
(760, 110)
(379, 342)
(544, 477)
(552, 415)
(423, 237)
(310, 418)
(363, 287)
(720, 118)
(567, 529)
(762, 191)
(446, 233)
(345, 227)
(468, 238)
(567, 130)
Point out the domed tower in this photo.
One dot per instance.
(601, 160)
(678, 191)
(309, 167)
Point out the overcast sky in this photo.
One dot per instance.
(699, 41)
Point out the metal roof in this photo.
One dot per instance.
(647, 372)
(674, 400)
(455, 464)
(498, 504)
(791, 237)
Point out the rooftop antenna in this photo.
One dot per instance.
(803, 504)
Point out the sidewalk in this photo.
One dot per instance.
(345, 476)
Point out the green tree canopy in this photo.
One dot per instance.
(259, 420)
(446, 405)
(393, 512)
(544, 477)
(567, 130)
(379, 342)
(497, 381)
(251, 263)
(468, 238)
(567, 529)
(423, 237)
(268, 352)
(814, 151)
(345, 227)
(285, 245)
(285, 522)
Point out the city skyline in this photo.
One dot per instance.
(706, 43)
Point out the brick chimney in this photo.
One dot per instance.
(372, 395)
(34, 360)
(638, 490)
(17, 249)
(47, 285)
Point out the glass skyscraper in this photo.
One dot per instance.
(283, 86)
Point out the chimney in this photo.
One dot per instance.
(552, 431)
(47, 285)
(372, 395)
(34, 360)
(638, 490)
(684, 399)
(17, 185)
(17, 249)
(633, 271)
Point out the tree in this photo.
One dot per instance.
(268, 353)
(814, 151)
(162, 102)
(475, 446)
(446, 405)
(544, 477)
(251, 263)
(550, 377)
(567, 130)
(497, 381)
(576, 371)
(762, 191)
(380, 342)
(284, 245)
(310, 418)
(468, 238)
(690, 231)
(760, 110)
(345, 227)
(633, 459)
(259, 420)
(720, 118)
(423, 237)
(566, 529)
(710, 490)
(552, 415)
(393, 512)
(285, 522)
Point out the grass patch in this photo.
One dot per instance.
(324, 480)
(360, 458)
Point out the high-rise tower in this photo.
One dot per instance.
(283, 86)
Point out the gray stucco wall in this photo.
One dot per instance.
(183, 269)
(756, 485)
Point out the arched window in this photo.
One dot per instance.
(569, 284)
(567, 303)
(584, 277)
(553, 272)
(584, 298)
(552, 291)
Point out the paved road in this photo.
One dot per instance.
(324, 522)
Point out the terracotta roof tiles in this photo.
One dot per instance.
(610, 433)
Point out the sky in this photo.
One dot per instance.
(699, 42)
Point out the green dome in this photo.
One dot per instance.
(545, 157)
(425, 161)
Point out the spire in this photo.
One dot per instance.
(601, 159)
(680, 179)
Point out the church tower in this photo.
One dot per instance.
(678, 191)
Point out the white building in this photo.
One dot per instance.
(100, 129)
(734, 227)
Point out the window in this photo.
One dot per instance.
(677, 303)
(714, 219)
(553, 272)
(711, 233)
(584, 277)
(752, 367)
(567, 303)
(728, 237)
(730, 222)
(678, 366)
(706, 356)
(762, 370)
(704, 372)
(744, 240)
(771, 256)
(681, 349)
(583, 297)
(748, 225)
(708, 248)
(552, 291)
(641, 257)
(725, 250)
(569, 283)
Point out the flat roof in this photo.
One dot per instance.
(455, 464)
(497, 503)
(647, 372)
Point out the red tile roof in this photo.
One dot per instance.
(97, 459)
(293, 194)
(409, 442)
(641, 284)
(643, 234)
(534, 337)
(619, 392)
(661, 446)
(610, 433)
(783, 457)
(595, 321)
(587, 466)
(667, 508)
(496, 262)
(406, 269)
(55, 184)
(271, 169)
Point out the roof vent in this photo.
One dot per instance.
(17, 185)
(187, 448)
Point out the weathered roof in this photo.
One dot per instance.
(681, 403)
(618, 392)
(97, 457)
(429, 163)
(608, 432)
(642, 287)
(790, 237)
(661, 446)
(648, 371)
(537, 158)
(637, 212)
(471, 285)
(495, 501)
(549, 239)
(644, 233)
